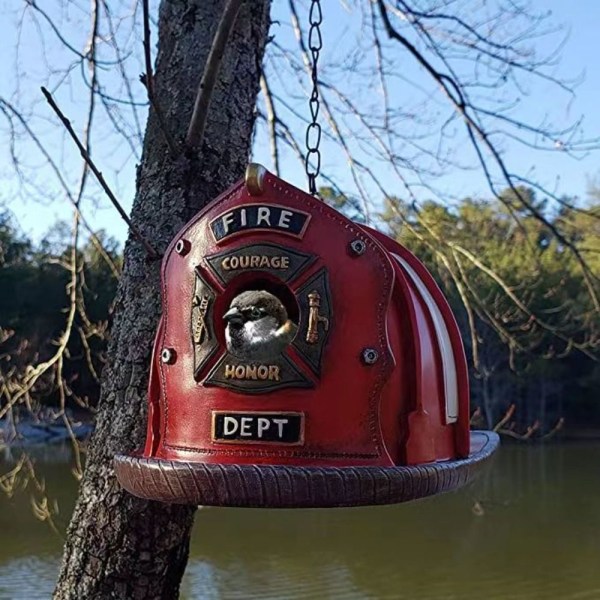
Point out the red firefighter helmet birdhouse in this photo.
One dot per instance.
(301, 360)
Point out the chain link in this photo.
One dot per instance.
(313, 131)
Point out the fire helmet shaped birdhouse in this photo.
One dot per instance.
(301, 360)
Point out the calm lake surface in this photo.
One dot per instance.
(529, 528)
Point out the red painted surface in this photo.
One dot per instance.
(460, 430)
(388, 413)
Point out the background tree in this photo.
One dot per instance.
(53, 344)
(530, 327)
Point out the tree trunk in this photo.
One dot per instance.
(119, 546)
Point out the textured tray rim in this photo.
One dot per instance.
(285, 486)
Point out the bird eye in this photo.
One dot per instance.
(256, 313)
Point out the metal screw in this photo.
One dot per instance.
(357, 247)
(168, 356)
(182, 247)
(370, 356)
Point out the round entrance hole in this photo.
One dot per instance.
(261, 320)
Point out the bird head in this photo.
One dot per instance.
(255, 305)
(255, 319)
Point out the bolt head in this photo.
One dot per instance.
(168, 356)
(357, 247)
(370, 356)
(182, 247)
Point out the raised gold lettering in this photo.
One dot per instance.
(253, 372)
(233, 263)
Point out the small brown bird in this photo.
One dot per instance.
(258, 326)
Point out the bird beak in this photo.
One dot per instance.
(233, 315)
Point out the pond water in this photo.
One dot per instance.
(529, 528)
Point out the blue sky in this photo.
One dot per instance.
(36, 214)
(577, 58)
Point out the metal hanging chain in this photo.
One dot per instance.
(313, 131)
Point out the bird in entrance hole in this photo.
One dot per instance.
(258, 326)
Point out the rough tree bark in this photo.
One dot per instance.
(118, 546)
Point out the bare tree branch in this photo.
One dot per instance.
(451, 87)
(272, 122)
(7, 108)
(195, 131)
(150, 251)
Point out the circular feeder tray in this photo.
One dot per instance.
(284, 486)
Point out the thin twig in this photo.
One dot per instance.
(506, 418)
(148, 81)
(195, 131)
(6, 107)
(271, 121)
(88, 159)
